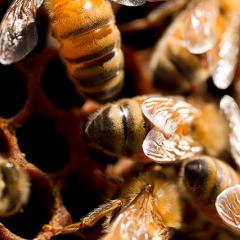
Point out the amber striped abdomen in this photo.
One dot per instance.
(89, 46)
(204, 178)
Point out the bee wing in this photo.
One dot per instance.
(228, 206)
(167, 113)
(139, 221)
(169, 149)
(18, 34)
(198, 25)
(232, 113)
(228, 54)
(133, 3)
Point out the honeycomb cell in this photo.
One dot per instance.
(58, 87)
(137, 39)
(78, 197)
(13, 91)
(42, 144)
(34, 215)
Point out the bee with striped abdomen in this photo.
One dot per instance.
(90, 44)
(203, 179)
(201, 42)
(14, 188)
(164, 128)
(228, 201)
(149, 207)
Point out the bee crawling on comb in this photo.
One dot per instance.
(165, 129)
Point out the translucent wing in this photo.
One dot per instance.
(167, 113)
(133, 3)
(228, 206)
(18, 34)
(139, 221)
(232, 113)
(228, 54)
(198, 25)
(169, 149)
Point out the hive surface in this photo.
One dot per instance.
(42, 121)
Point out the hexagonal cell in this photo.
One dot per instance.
(13, 91)
(58, 87)
(34, 215)
(42, 144)
(78, 197)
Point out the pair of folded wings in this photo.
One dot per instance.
(164, 142)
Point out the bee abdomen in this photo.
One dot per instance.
(101, 78)
(118, 128)
(207, 177)
(204, 178)
(90, 48)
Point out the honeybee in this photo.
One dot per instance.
(202, 41)
(165, 129)
(203, 179)
(90, 44)
(144, 210)
(227, 203)
(14, 188)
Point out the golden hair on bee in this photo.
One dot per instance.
(144, 210)
(14, 188)
(165, 129)
(203, 179)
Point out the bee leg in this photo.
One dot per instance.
(154, 18)
(87, 221)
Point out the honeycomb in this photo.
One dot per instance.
(42, 121)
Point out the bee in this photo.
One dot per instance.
(90, 44)
(165, 129)
(14, 188)
(201, 42)
(227, 203)
(203, 179)
(144, 210)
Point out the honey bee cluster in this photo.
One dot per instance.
(119, 120)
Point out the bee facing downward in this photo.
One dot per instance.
(164, 128)
(90, 44)
(149, 207)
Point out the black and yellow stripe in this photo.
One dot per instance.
(118, 128)
(90, 46)
(204, 178)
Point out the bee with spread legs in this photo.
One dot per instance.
(201, 42)
(90, 44)
(165, 129)
(14, 188)
(144, 210)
